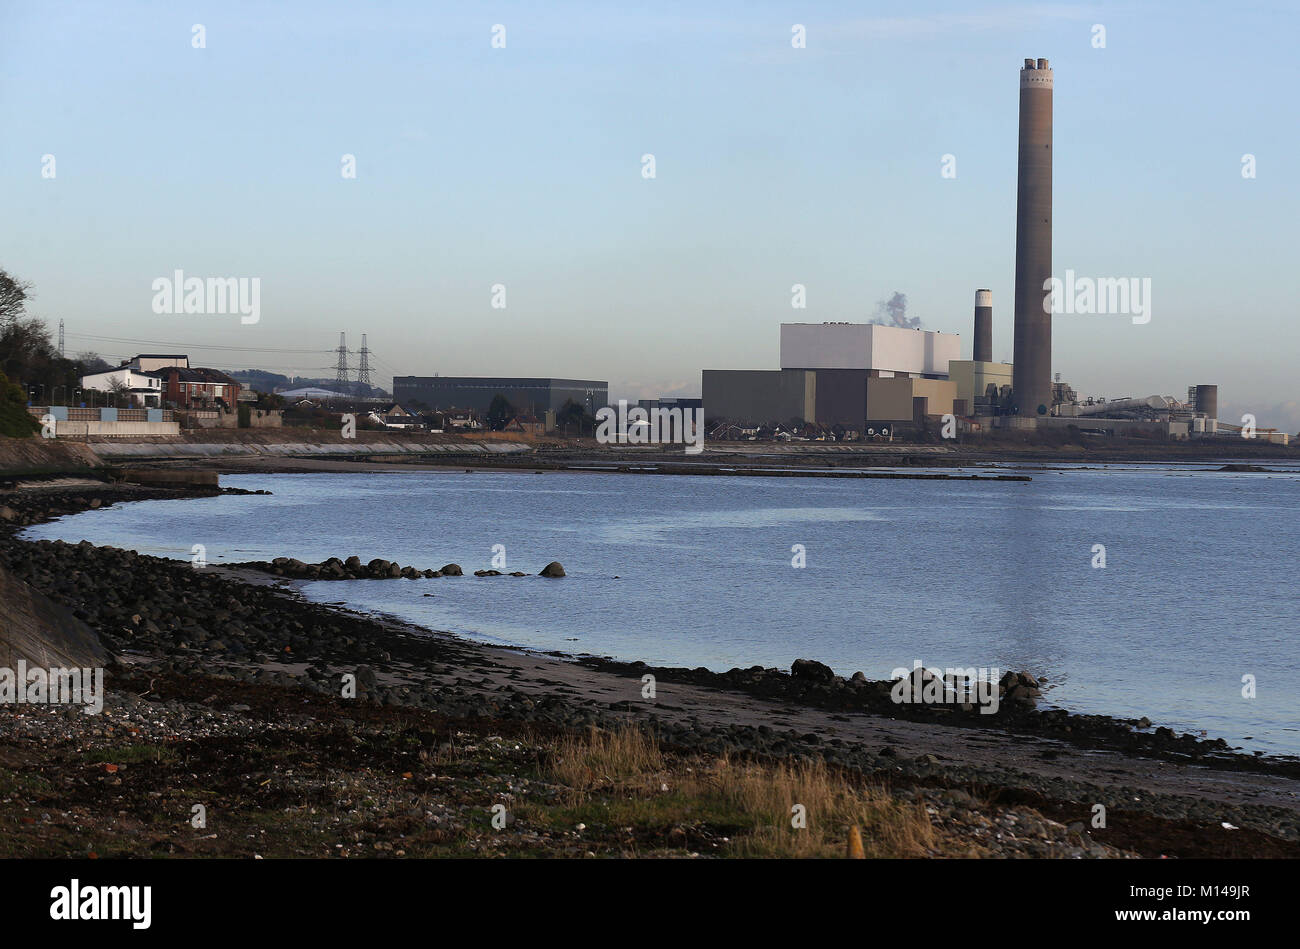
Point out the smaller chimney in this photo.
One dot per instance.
(1042, 64)
(983, 348)
(1029, 64)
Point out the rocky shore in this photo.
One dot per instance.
(352, 568)
(181, 634)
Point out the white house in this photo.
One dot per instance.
(394, 416)
(144, 388)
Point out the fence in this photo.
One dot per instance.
(76, 413)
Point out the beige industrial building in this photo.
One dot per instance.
(907, 400)
(973, 378)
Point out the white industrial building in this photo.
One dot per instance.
(885, 350)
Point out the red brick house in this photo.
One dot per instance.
(198, 388)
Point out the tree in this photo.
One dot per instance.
(91, 362)
(117, 387)
(13, 297)
(15, 420)
(499, 412)
(571, 414)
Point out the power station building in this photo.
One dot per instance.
(530, 397)
(853, 375)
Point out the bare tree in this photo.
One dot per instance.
(92, 362)
(117, 387)
(13, 297)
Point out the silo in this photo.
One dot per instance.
(1207, 401)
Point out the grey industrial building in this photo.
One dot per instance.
(529, 396)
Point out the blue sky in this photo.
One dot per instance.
(774, 166)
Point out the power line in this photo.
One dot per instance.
(363, 371)
(242, 366)
(341, 369)
(159, 342)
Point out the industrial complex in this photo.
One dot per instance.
(533, 397)
(842, 380)
(883, 381)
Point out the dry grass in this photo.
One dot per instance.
(757, 801)
(828, 804)
(624, 759)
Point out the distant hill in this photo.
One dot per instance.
(262, 381)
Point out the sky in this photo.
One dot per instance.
(478, 166)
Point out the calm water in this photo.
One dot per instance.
(1199, 586)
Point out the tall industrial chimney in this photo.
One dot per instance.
(1032, 374)
(983, 326)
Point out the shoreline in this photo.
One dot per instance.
(1027, 755)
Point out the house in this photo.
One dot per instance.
(463, 420)
(143, 388)
(199, 387)
(394, 416)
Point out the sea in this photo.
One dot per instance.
(1132, 590)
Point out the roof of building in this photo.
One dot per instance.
(216, 375)
(116, 369)
(311, 391)
(197, 374)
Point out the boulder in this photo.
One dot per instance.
(42, 632)
(812, 670)
(452, 570)
(552, 569)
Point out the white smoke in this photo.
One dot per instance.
(893, 312)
